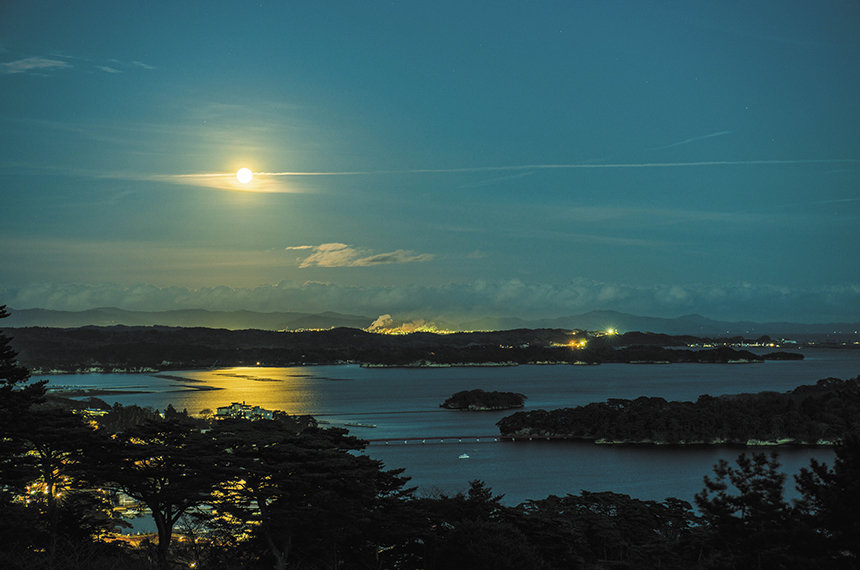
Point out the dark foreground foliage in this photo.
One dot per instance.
(807, 414)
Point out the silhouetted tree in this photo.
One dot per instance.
(300, 495)
(484, 545)
(470, 530)
(57, 441)
(17, 396)
(19, 525)
(831, 502)
(167, 465)
(607, 529)
(121, 418)
(749, 524)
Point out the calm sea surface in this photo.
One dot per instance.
(404, 403)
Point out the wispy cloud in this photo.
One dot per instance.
(31, 64)
(693, 139)
(495, 180)
(654, 216)
(837, 201)
(807, 204)
(226, 181)
(58, 61)
(344, 255)
(397, 256)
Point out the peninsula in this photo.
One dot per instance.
(817, 414)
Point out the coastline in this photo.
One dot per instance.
(749, 443)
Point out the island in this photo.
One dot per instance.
(482, 401)
(808, 415)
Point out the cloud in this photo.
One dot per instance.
(398, 256)
(343, 255)
(261, 183)
(34, 64)
(650, 215)
(330, 255)
(465, 305)
(40, 64)
(388, 325)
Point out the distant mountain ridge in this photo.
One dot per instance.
(692, 324)
(236, 320)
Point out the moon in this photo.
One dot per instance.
(244, 175)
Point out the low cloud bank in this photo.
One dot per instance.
(463, 304)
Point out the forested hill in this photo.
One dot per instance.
(159, 348)
(813, 414)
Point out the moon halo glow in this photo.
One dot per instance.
(244, 175)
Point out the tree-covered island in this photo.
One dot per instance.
(808, 415)
(480, 401)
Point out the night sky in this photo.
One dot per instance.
(435, 160)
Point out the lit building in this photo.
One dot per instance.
(243, 411)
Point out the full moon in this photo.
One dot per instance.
(244, 175)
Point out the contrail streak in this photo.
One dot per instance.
(694, 139)
(575, 166)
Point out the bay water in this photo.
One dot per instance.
(398, 408)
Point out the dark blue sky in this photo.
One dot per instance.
(443, 160)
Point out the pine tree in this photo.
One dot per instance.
(830, 503)
(167, 465)
(300, 495)
(18, 525)
(17, 397)
(748, 522)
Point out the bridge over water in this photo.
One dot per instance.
(426, 440)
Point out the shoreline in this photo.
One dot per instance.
(748, 444)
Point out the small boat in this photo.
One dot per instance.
(463, 456)
(360, 425)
